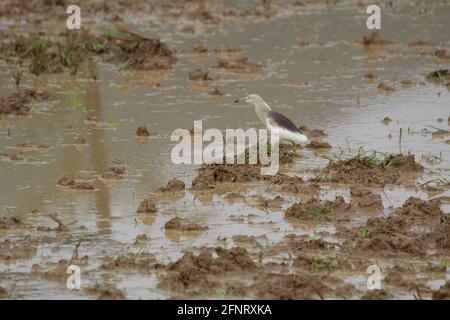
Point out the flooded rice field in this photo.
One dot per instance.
(86, 118)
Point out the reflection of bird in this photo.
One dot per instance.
(288, 131)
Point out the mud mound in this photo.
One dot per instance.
(439, 76)
(377, 294)
(10, 222)
(23, 249)
(114, 172)
(142, 132)
(443, 293)
(370, 170)
(318, 144)
(193, 273)
(106, 292)
(199, 75)
(365, 198)
(317, 210)
(288, 287)
(143, 262)
(209, 175)
(173, 185)
(375, 39)
(240, 65)
(140, 53)
(411, 229)
(74, 184)
(147, 206)
(312, 133)
(18, 103)
(183, 225)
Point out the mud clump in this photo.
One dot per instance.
(173, 185)
(375, 39)
(3, 293)
(74, 184)
(114, 172)
(130, 261)
(147, 206)
(439, 76)
(315, 209)
(106, 292)
(142, 132)
(10, 222)
(443, 293)
(288, 287)
(183, 225)
(23, 249)
(370, 170)
(318, 144)
(215, 92)
(18, 103)
(200, 48)
(271, 204)
(312, 133)
(383, 87)
(365, 198)
(199, 75)
(194, 273)
(140, 53)
(211, 174)
(239, 65)
(408, 230)
(242, 238)
(377, 294)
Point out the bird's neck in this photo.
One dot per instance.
(261, 111)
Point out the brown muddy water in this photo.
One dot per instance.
(234, 239)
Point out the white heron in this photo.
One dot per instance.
(288, 131)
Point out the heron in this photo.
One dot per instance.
(288, 131)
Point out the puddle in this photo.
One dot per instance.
(313, 73)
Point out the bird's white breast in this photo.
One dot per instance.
(285, 134)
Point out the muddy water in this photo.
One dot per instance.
(320, 85)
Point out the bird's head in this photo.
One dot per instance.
(251, 98)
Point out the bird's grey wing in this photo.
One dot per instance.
(279, 120)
